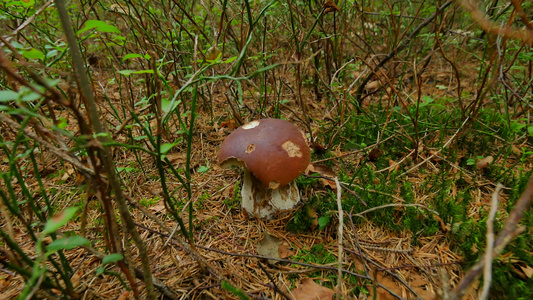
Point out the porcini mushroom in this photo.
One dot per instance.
(274, 152)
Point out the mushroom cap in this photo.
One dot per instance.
(275, 151)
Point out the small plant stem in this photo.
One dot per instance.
(339, 242)
(509, 231)
(487, 271)
(398, 49)
(87, 93)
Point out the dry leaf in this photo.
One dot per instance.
(528, 271)
(443, 226)
(285, 251)
(374, 154)
(230, 123)
(395, 166)
(124, 296)
(372, 86)
(76, 278)
(325, 171)
(177, 158)
(517, 151)
(311, 213)
(417, 280)
(310, 290)
(388, 283)
(330, 6)
(484, 163)
(269, 247)
(3, 283)
(521, 269)
(212, 53)
(159, 207)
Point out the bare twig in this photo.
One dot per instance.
(56, 151)
(487, 272)
(340, 245)
(29, 20)
(525, 35)
(104, 153)
(395, 205)
(398, 49)
(438, 151)
(509, 231)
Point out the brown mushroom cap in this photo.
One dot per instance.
(275, 151)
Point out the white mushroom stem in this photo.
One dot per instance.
(260, 201)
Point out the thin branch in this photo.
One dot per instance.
(53, 149)
(340, 245)
(487, 272)
(29, 20)
(525, 35)
(510, 230)
(398, 49)
(87, 92)
(395, 205)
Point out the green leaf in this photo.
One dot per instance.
(203, 169)
(230, 60)
(166, 147)
(33, 54)
(99, 271)
(59, 220)
(131, 55)
(166, 105)
(129, 72)
(63, 123)
(234, 290)
(111, 258)
(530, 130)
(8, 95)
(322, 222)
(67, 243)
(31, 96)
(100, 26)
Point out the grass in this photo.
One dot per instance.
(449, 187)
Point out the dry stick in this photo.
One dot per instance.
(341, 184)
(58, 152)
(340, 254)
(353, 152)
(197, 256)
(487, 272)
(87, 93)
(184, 245)
(398, 49)
(274, 285)
(394, 205)
(510, 230)
(525, 35)
(164, 289)
(438, 151)
(29, 20)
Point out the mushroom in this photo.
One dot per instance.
(274, 152)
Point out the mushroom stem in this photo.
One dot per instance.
(260, 201)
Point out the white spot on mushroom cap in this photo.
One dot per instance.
(291, 148)
(250, 125)
(250, 148)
